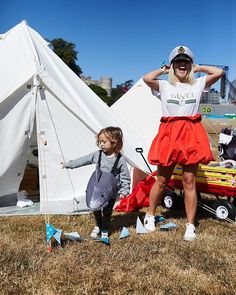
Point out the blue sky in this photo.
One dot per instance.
(125, 39)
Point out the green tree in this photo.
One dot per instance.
(66, 51)
(101, 92)
(120, 89)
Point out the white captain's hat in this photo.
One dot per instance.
(181, 53)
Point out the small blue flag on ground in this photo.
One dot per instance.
(140, 229)
(57, 236)
(168, 226)
(159, 218)
(50, 231)
(124, 233)
(73, 236)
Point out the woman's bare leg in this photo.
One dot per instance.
(190, 193)
(164, 175)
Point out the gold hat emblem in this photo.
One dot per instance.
(181, 49)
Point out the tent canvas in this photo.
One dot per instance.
(36, 86)
(146, 112)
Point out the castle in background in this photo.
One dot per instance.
(104, 82)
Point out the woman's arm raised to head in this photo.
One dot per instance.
(213, 73)
(151, 78)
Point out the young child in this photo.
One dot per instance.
(110, 142)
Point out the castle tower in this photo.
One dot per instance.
(106, 83)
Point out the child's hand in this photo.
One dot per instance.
(121, 196)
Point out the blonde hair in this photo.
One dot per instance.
(114, 135)
(189, 79)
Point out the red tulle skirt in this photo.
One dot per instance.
(180, 140)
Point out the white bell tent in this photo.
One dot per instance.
(146, 112)
(36, 86)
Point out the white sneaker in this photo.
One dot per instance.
(149, 222)
(95, 233)
(190, 233)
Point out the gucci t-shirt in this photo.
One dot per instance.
(180, 99)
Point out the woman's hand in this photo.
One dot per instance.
(151, 79)
(213, 73)
(196, 68)
(165, 69)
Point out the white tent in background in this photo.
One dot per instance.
(36, 86)
(141, 111)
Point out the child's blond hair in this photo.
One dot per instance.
(115, 135)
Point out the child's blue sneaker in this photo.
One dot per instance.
(105, 238)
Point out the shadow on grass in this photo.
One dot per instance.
(129, 219)
(125, 219)
(179, 211)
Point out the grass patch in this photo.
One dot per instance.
(155, 263)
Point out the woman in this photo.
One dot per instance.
(181, 138)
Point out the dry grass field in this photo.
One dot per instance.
(155, 263)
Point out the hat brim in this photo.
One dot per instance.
(182, 57)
